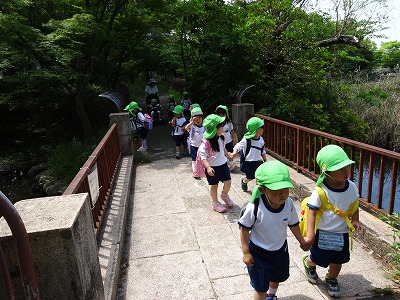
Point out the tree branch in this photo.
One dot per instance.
(341, 39)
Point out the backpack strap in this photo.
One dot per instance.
(248, 146)
(325, 204)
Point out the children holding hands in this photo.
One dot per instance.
(263, 235)
(252, 149)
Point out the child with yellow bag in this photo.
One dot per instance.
(330, 240)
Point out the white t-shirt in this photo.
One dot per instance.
(254, 153)
(196, 135)
(228, 127)
(269, 230)
(216, 158)
(178, 126)
(342, 199)
(151, 90)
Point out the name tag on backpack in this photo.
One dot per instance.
(330, 241)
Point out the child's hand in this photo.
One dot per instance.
(358, 227)
(210, 171)
(306, 245)
(230, 155)
(248, 259)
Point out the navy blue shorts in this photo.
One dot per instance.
(268, 266)
(142, 132)
(193, 152)
(229, 146)
(222, 173)
(180, 140)
(250, 167)
(323, 257)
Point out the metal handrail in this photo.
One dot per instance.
(105, 158)
(298, 146)
(25, 258)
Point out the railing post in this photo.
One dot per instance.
(240, 114)
(124, 131)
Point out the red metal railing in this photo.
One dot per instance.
(376, 169)
(22, 245)
(105, 159)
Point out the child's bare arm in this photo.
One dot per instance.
(311, 217)
(304, 244)
(187, 127)
(264, 156)
(244, 240)
(355, 220)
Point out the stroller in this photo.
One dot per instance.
(155, 110)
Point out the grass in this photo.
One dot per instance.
(378, 103)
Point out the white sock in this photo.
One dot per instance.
(194, 167)
(144, 143)
(272, 291)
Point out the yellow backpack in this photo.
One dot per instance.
(324, 206)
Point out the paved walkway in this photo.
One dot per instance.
(177, 247)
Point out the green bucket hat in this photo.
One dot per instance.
(210, 123)
(185, 93)
(131, 106)
(273, 175)
(222, 107)
(194, 105)
(196, 112)
(331, 158)
(171, 97)
(178, 109)
(252, 125)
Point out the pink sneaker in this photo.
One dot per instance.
(227, 200)
(217, 206)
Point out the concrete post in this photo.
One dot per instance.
(63, 246)
(124, 131)
(240, 114)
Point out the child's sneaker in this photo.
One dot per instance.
(142, 149)
(271, 297)
(244, 184)
(217, 206)
(311, 272)
(177, 155)
(196, 175)
(333, 287)
(227, 200)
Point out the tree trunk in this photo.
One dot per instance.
(81, 112)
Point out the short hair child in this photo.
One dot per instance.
(256, 155)
(332, 229)
(229, 133)
(264, 237)
(196, 130)
(137, 122)
(213, 155)
(178, 123)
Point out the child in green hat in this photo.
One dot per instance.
(252, 151)
(330, 242)
(178, 123)
(138, 124)
(213, 156)
(229, 133)
(171, 106)
(195, 130)
(263, 230)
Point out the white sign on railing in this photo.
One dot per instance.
(93, 179)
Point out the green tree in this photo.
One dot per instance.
(388, 55)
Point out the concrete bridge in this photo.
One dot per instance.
(162, 240)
